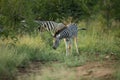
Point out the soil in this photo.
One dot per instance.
(99, 70)
(95, 70)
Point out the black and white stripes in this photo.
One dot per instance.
(49, 26)
(68, 34)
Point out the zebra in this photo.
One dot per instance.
(68, 33)
(49, 26)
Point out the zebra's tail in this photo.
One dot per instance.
(82, 29)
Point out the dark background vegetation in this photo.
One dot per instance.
(13, 11)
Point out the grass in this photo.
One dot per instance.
(51, 71)
(10, 59)
(117, 75)
(33, 48)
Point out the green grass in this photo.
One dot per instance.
(28, 48)
(117, 75)
(9, 61)
(51, 71)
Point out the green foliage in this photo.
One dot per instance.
(10, 60)
(17, 51)
(13, 11)
(117, 75)
(73, 61)
(116, 9)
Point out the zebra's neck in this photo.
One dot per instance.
(63, 34)
(58, 32)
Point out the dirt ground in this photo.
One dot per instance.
(96, 70)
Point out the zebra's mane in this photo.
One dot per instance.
(56, 33)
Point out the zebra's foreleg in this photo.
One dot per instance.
(67, 47)
(75, 42)
(70, 46)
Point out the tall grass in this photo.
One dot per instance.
(35, 48)
(9, 61)
(94, 39)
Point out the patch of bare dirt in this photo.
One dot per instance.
(99, 70)
(33, 67)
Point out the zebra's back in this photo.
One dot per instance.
(68, 32)
(50, 26)
(73, 30)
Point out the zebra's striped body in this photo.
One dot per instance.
(49, 26)
(68, 34)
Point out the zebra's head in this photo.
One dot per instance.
(56, 41)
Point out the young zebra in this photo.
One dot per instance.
(68, 34)
(50, 26)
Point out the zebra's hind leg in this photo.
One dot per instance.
(70, 46)
(75, 41)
